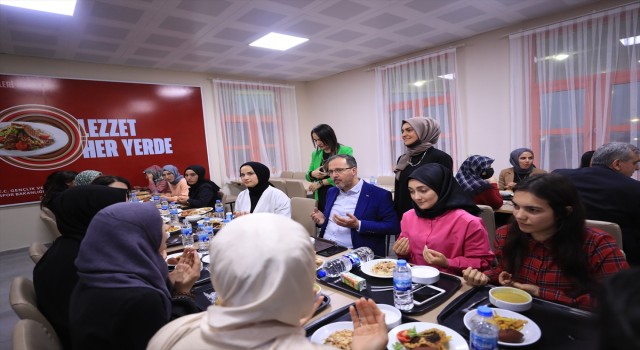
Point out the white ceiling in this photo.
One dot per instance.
(213, 35)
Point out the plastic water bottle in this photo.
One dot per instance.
(203, 243)
(173, 205)
(174, 219)
(156, 197)
(164, 205)
(372, 180)
(402, 293)
(484, 334)
(187, 235)
(134, 197)
(333, 268)
(219, 207)
(208, 227)
(229, 216)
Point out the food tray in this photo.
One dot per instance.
(562, 327)
(203, 302)
(447, 282)
(342, 314)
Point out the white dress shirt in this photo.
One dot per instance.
(345, 203)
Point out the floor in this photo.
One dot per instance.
(14, 263)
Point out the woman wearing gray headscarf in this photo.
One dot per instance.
(522, 161)
(86, 177)
(178, 186)
(419, 135)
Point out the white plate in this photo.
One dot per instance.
(530, 330)
(506, 193)
(206, 259)
(321, 334)
(457, 342)
(366, 267)
(60, 139)
(175, 255)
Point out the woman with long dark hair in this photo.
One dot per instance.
(326, 143)
(547, 250)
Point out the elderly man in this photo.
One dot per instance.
(609, 194)
(359, 214)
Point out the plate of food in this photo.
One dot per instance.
(515, 329)
(337, 334)
(381, 268)
(24, 139)
(195, 211)
(425, 334)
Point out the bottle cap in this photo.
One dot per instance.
(485, 311)
(321, 273)
(402, 262)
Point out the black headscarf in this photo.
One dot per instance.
(263, 173)
(199, 169)
(75, 207)
(450, 194)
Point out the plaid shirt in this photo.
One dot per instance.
(538, 267)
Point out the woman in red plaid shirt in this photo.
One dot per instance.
(547, 250)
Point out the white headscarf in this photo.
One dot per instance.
(263, 269)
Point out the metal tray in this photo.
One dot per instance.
(562, 327)
(447, 282)
(342, 314)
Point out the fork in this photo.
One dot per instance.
(474, 304)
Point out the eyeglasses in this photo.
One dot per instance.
(339, 170)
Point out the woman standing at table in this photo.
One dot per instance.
(326, 143)
(266, 307)
(547, 250)
(442, 230)
(178, 186)
(419, 135)
(260, 196)
(125, 292)
(475, 176)
(523, 167)
(202, 191)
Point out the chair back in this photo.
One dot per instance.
(22, 297)
(488, 218)
(301, 209)
(300, 175)
(609, 227)
(286, 174)
(33, 335)
(295, 188)
(36, 251)
(279, 184)
(49, 219)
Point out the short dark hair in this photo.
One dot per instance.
(56, 182)
(351, 161)
(106, 180)
(585, 160)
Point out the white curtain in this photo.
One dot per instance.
(259, 123)
(423, 86)
(575, 86)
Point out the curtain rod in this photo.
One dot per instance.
(416, 58)
(258, 83)
(594, 12)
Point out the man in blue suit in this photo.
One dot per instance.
(357, 214)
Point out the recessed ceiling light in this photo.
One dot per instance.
(561, 57)
(632, 40)
(449, 76)
(62, 7)
(276, 41)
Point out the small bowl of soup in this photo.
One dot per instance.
(510, 298)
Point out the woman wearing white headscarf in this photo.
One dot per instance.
(419, 135)
(263, 270)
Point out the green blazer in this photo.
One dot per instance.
(316, 161)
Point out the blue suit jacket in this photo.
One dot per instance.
(376, 214)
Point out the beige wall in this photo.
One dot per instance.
(345, 101)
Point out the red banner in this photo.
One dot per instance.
(49, 124)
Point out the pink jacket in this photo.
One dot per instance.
(460, 236)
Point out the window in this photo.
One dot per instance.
(255, 118)
(576, 86)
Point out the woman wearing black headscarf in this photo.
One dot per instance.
(124, 290)
(522, 161)
(202, 191)
(441, 229)
(260, 196)
(55, 275)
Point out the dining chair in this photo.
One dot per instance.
(49, 219)
(33, 335)
(22, 297)
(386, 180)
(36, 251)
(609, 227)
(295, 188)
(286, 174)
(489, 220)
(301, 209)
(300, 175)
(279, 184)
